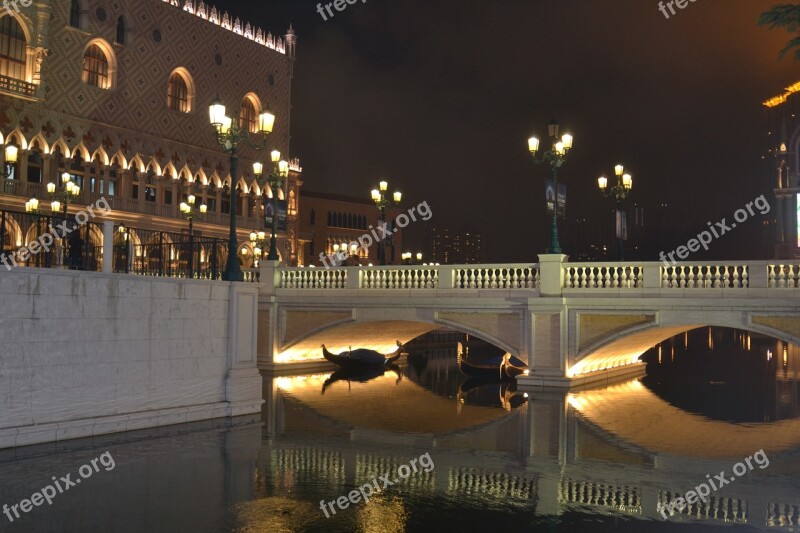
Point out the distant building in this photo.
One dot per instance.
(454, 248)
(330, 222)
(782, 176)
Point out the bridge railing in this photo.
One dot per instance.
(453, 277)
(727, 275)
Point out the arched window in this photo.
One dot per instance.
(178, 93)
(330, 219)
(313, 217)
(121, 30)
(248, 116)
(95, 67)
(75, 14)
(12, 48)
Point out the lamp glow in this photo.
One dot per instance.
(602, 182)
(533, 145)
(397, 197)
(384, 186)
(216, 113)
(12, 153)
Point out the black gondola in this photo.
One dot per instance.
(361, 375)
(362, 358)
(505, 367)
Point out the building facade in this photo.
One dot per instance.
(449, 247)
(117, 94)
(783, 178)
(331, 222)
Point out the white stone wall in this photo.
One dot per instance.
(87, 353)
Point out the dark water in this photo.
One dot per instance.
(462, 455)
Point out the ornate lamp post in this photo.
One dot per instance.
(280, 172)
(189, 212)
(125, 234)
(619, 192)
(382, 201)
(259, 241)
(12, 155)
(32, 208)
(60, 199)
(229, 134)
(555, 157)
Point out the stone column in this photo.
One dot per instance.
(243, 387)
(108, 246)
(268, 345)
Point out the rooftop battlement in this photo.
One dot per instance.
(211, 14)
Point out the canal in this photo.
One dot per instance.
(430, 450)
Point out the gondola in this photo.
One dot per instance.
(505, 367)
(361, 375)
(362, 358)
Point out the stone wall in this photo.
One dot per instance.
(86, 353)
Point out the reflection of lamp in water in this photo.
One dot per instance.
(769, 355)
(785, 356)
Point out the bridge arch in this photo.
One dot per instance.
(303, 331)
(623, 345)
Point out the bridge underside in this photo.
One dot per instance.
(381, 336)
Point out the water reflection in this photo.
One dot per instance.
(594, 460)
(727, 374)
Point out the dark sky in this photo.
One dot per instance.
(440, 96)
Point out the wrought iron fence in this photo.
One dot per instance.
(58, 241)
(160, 253)
(55, 241)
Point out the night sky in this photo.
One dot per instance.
(439, 97)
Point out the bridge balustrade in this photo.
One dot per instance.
(726, 275)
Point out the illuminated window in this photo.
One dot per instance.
(248, 116)
(95, 67)
(12, 48)
(178, 93)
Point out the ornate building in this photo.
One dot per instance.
(331, 222)
(783, 162)
(116, 93)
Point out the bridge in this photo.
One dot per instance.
(575, 324)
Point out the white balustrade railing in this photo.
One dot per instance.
(408, 277)
(313, 278)
(705, 276)
(603, 276)
(496, 277)
(576, 276)
(784, 276)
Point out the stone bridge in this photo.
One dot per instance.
(574, 323)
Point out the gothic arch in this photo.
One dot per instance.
(60, 147)
(40, 142)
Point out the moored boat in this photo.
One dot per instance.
(362, 357)
(505, 367)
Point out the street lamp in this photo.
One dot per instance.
(65, 196)
(382, 201)
(555, 157)
(259, 241)
(619, 192)
(229, 134)
(12, 155)
(280, 172)
(189, 211)
(32, 208)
